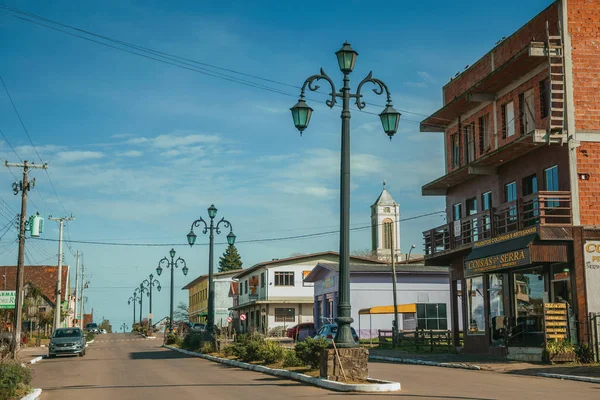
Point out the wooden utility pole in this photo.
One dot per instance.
(57, 307)
(24, 186)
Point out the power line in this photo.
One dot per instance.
(276, 239)
(170, 59)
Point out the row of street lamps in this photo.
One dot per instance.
(146, 286)
(301, 114)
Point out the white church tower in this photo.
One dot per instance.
(385, 226)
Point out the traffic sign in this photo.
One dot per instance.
(243, 317)
(229, 319)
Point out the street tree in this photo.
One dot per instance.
(231, 260)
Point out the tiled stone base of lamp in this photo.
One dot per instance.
(355, 364)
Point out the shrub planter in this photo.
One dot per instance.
(568, 356)
(374, 385)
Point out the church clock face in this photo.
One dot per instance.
(386, 209)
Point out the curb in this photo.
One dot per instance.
(35, 360)
(90, 342)
(376, 386)
(32, 396)
(423, 362)
(569, 377)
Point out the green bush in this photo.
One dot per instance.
(290, 359)
(14, 380)
(309, 351)
(89, 336)
(228, 350)
(206, 348)
(192, 342)
(173, 339)
(270, 351)
(585, 354)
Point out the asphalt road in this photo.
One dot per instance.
(123, 366)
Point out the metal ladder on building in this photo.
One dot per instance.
(556, 121)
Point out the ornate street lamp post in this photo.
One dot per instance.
(389, 117)
(132, 300)
(148, 284)
(191, 237)
(171, 264)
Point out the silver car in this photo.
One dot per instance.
(67, 341)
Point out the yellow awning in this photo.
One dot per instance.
(402, 308)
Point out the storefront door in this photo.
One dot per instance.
(529, 289)
(498, 320)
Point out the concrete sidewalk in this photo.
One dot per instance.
(495, 364)
(26, 354)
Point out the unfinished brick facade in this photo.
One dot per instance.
(504, 181)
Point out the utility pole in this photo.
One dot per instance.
(57, 308)
(76, 287)
(24, 186)
(84, 285)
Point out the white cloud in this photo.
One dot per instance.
(131, 153)
(426, 77)
(171, 140)
(71, 156)
(122, 136)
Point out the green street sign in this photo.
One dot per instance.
(7, 299)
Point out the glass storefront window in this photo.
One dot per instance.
(497, 316)
(432, 316)
(529, 307)
(476, 308)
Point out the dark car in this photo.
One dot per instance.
(67, 341)
(92, 327)
(301, 331)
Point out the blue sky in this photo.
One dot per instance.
(138, 149)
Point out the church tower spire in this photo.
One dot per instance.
(385, 226)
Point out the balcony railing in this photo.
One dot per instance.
(542, 208)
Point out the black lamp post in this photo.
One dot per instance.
(148, 284)
(171, 264)
(191, 237)
(389, 117)
(132, 300)
(124, 327)
(141, 290)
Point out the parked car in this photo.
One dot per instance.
(328, 332)
(197, 327)
(92, 327)
(67, 341)
(103, 331)
(302, 331)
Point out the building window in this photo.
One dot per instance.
(469, 143)
(508, 120)
(551, 177)
(246, 287)
(484, 133)
(531, 205)
(388, 233)
(475, 306)
(510, 195)
(526, 112)
(551, 183)
(284, 279)
(455, 151)
(285, 315)
(262, 279)
(432, 316)
(544, 88)
(457, 211)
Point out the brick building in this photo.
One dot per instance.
(522, 184)
(43, 277)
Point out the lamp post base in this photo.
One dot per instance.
(352, 364)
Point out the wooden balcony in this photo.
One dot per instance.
(544, 209)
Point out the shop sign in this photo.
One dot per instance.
(505, 237)
(7, 299)
(555, 321)
(513, 258)
(328, 282)
(591, 258)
